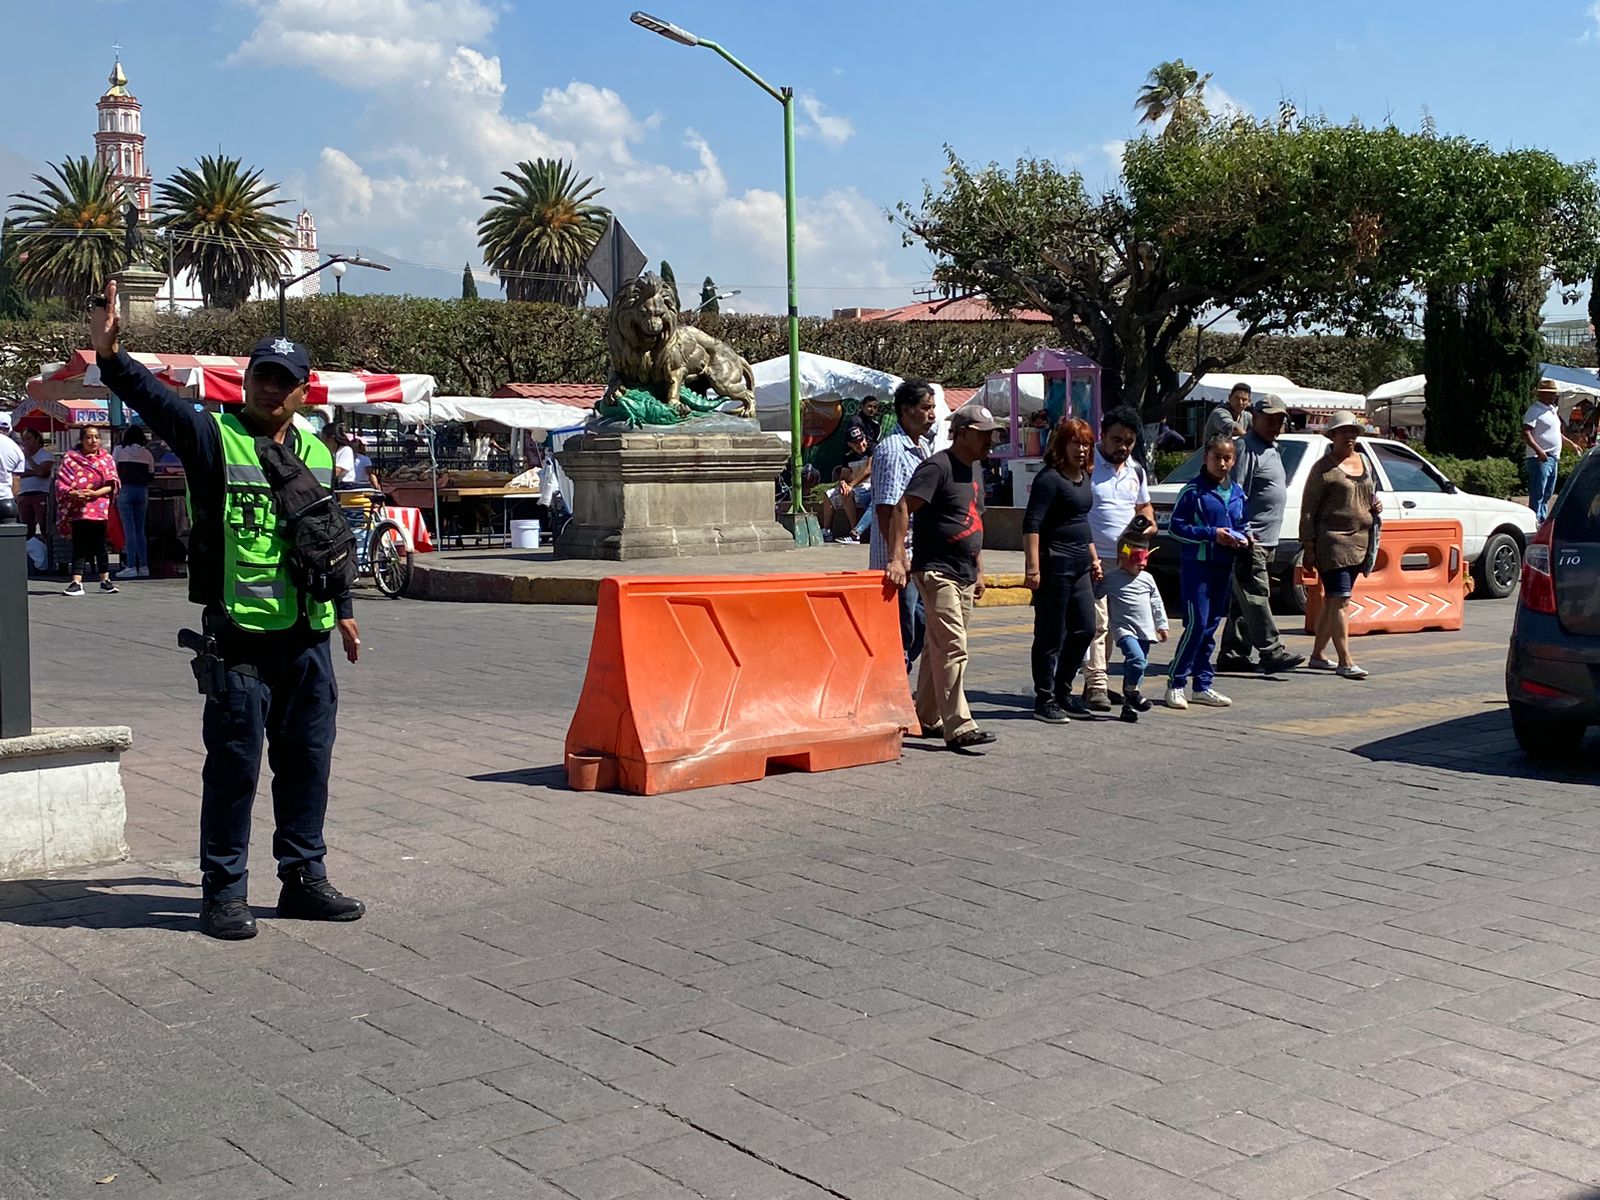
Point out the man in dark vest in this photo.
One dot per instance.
(267, 641)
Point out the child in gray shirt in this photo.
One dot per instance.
(1135, 613)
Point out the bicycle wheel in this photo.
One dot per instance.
(390, 557)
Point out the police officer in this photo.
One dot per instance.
(275, 678)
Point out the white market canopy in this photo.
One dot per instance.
(1401, 400)
(831, 379)
(1214, 389)
(513, 413)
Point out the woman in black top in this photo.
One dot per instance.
(1061, 569)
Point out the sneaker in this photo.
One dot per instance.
(1321, 664)
(1135, 699)
(1076, 707)
(1129, 713)
(1098, 699)
(1177, 697)
(1232, 664)
(144, 572)
(1282, 664)
(308, 898)
(1050, 713)
(229, 920)
(72, 589)
(107, 586)
(848, 539)
(1351, 672)
(1211, 698)
(127, 573)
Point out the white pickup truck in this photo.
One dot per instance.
(1494, 532)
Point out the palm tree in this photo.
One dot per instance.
(1174, 90)
(540, 230)
(223, 228)
(70, 236)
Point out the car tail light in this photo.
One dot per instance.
(1538, 586)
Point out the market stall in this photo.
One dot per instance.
(66, 396)
(1309, 408)
(1400, 406)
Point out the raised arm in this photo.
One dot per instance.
(190, 434)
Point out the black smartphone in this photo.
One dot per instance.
(97, 302)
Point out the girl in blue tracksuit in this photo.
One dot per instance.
(1208, 523)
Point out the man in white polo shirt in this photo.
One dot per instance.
(1121, 490)
(1541, 431)
(12, 463)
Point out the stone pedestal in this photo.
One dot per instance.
(138, 287)
(61, 800)
(648, 494)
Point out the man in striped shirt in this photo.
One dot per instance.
(894, 461)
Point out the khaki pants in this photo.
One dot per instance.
(941, 698)
(1094, 665)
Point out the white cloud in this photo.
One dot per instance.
(1593, 32)
(1221, 104)
(829, 128)
(1113, 152)
(417, 193)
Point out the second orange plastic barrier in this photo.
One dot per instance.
(694, 682)
(1419, 581)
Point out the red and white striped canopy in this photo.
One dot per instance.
(220, 379)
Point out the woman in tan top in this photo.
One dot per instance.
(1337, 515)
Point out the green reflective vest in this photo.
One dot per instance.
(256, 588)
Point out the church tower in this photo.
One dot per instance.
(119, 140)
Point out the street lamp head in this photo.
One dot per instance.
(339, 268)
(665, 28)
(356, 260)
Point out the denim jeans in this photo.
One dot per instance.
(913, 624)
(133, 503)
(1541, 484)
(1135, 659)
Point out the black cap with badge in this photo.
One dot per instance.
(277, 349)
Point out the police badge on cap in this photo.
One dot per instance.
(291, 356)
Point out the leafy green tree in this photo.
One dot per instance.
(220, 219)
(1173, 90)
(70, 233)
(708, 297)
(1285, 225)
(13, 298)
(469, 285)
(1482, 355)
(540, 229)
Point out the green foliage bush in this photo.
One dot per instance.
(1498, 477)
(1168, 461)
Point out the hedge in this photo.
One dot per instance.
(473, 347)
(1497, 477)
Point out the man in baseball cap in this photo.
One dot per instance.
(1258, 469)
(945, 500)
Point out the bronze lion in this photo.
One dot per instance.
(649, 348)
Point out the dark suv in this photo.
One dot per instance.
(1553, 668)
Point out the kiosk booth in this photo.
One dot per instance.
(1056, 383)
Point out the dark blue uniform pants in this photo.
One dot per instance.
(292, 702)
(1206, 587)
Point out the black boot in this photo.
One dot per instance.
(1134, 698)
(229, 920)
(1129, 713)
(310, 898)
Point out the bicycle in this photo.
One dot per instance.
(382, 550)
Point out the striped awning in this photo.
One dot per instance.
(220, 379)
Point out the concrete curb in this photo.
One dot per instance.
(492, 587)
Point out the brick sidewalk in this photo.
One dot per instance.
(1333, 942)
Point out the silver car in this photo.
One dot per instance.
(1553, 667)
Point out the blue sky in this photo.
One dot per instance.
(391, 118)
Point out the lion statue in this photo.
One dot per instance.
(650, 349)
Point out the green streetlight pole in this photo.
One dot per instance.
(806, 530)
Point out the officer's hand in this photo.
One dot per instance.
(104, 324)
(352, 638)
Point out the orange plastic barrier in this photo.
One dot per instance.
(1419, 581)
(694, 682)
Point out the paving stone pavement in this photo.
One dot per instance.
(1338, 941)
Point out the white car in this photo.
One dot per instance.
(1494, 532)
